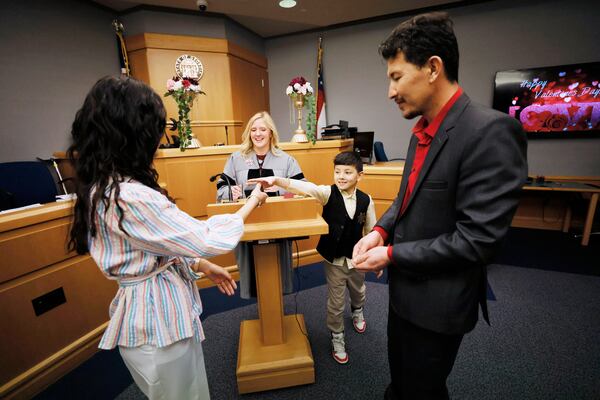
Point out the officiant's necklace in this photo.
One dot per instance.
(261, 160)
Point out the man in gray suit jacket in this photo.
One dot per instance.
(465, 167)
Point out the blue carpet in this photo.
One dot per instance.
(542, 344)
(104, 376)
(551, 251)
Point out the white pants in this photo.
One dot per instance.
(175, 372)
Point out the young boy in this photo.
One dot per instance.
(350, 214)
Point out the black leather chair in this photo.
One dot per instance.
(380, 153)
(23, 183)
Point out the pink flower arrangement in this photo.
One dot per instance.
(299, 85)
(186, 84)
(184, 91)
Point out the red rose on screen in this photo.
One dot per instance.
(557, 122)
(537, 121)
(186, 83)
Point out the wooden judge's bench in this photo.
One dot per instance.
(53, 303)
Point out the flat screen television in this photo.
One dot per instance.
(553, 102)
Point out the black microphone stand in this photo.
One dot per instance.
(226, 179)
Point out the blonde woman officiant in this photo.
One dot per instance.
(259, 156)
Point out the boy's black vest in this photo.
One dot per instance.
(344, 232)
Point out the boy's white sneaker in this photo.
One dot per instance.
(338, 350)
(358, 320)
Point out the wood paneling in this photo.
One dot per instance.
(36, 215)
(18, 257)
(35, 338)
(216, 82)
(38, 349)
(175, 42)
(245, 54)
(188, 183)
(541, 210)
(138, 62)
(235, 81)
(382, 181)
(275, 210)
(250, 81)
(273, 219)
(381, 207)
(32, 381)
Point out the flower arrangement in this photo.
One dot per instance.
(300, 92)
(299, 85)
(184, 91)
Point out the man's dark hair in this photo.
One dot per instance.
(349, 158)
(422, 37)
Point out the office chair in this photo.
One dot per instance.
(380, 153)
(23, 183)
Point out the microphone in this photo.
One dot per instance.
(173, 123)
(226, 179)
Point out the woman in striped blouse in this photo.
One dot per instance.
(139, 238)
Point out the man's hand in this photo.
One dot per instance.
(373, 239)
(374, 260)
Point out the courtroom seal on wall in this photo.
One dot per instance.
(187, 66)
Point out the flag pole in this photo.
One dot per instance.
(123, 59)
(319, 60)
(320, 98)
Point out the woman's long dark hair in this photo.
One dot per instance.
(114, 136)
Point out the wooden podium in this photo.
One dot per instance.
(274, 351)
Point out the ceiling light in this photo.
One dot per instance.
(287, 3)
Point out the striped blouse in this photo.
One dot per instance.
(157, 301)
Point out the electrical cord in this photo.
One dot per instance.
(297, 274)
